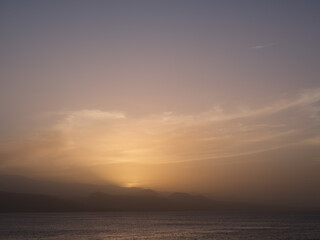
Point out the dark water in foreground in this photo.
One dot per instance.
(164, 225)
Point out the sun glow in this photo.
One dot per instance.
(131, 184)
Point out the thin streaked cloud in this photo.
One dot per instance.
(261, 46)
(93, 137)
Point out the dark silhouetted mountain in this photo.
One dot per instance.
(196, 202)
(51, 197)
(19, 184)
(22, 202)
(106, 202)
(89, 197)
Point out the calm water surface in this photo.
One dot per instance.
(173, 225)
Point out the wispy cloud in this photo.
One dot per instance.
(261, 46)
(95, 137)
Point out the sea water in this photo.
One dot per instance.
(158, 225)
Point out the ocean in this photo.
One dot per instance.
(159, 225)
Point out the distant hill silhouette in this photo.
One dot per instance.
(19, 194)
(24, 202)
(20, 184)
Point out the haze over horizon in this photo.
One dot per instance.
(215, 97)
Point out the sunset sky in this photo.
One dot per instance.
(216, 97)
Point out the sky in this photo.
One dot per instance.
(216, 97)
